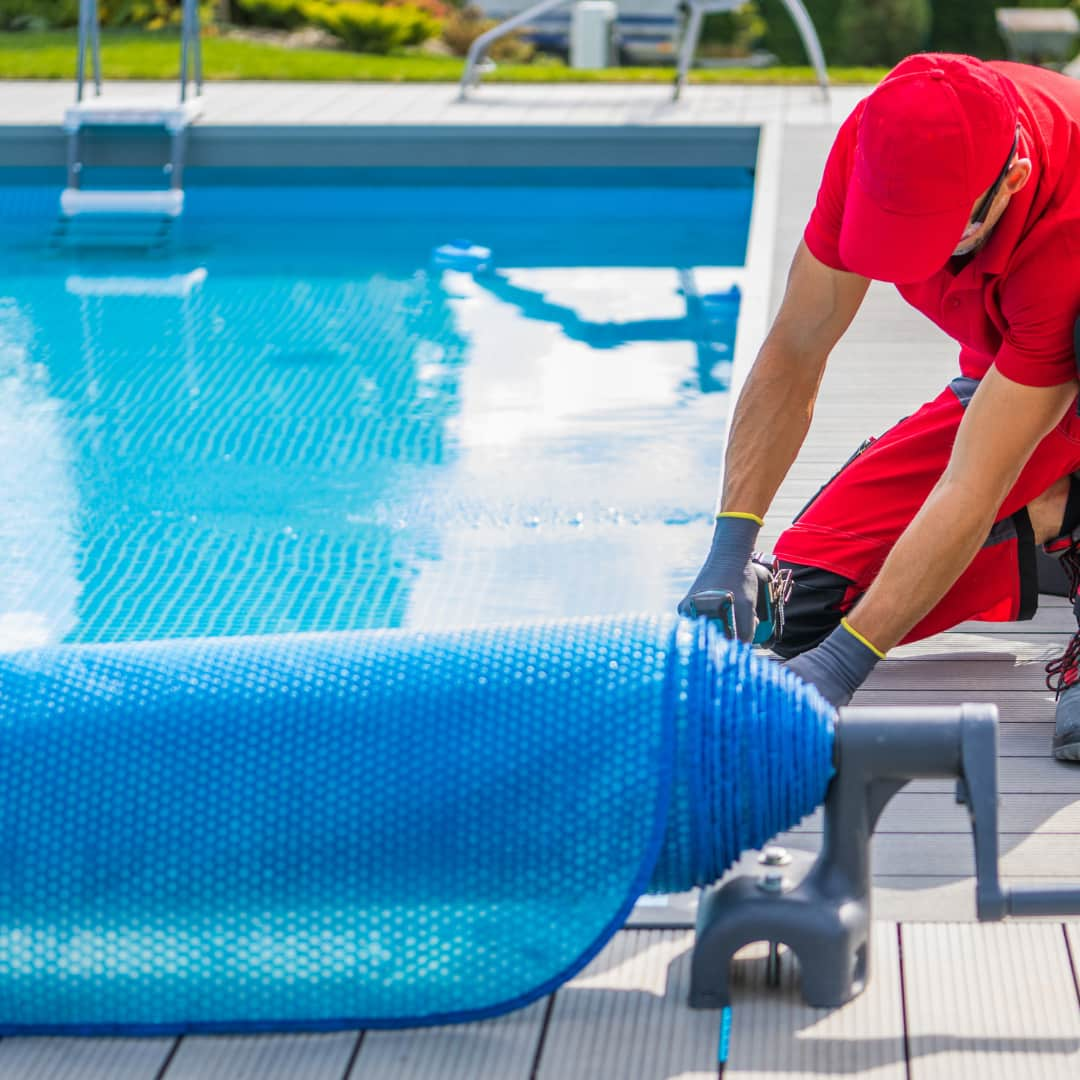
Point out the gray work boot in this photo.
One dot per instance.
(1063, 674)
(1063, 677)
(1067, 724)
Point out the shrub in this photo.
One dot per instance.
(967, 27)
(463, 27)
(38, 14)
(783, 39)
(278, 14)
(365, 27)
(151, 14)
(435, 8)
(735, 32)
(880, 32)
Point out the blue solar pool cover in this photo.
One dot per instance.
(370, 829)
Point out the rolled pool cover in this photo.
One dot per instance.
(372, 829)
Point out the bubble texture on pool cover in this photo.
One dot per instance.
(371, 829)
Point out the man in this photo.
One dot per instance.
(959, 181)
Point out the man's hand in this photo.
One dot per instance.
(769, 425)
(728, 569)
(838, 666)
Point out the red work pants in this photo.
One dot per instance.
(850, 526)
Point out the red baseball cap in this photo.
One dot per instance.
(933, 136)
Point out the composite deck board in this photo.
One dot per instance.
(1035, 743)
(775, 1034)
(626, 1015)
(900, 675)
(1015, 740)
(926, 898)
(1021, 776)
(1036, 855)
(1016, 708)
(263, 1057)
(923, 812)
(992, 648)
(33, 1058)
(995, 1002)
(500, 1049)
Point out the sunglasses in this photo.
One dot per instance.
(984, 206)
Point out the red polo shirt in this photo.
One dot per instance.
(1013, 303)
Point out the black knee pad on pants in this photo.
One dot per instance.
(814, 608)
(819, 600)
(1053, 581)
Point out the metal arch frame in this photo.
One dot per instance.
(698, 9)
(474, 61)
(90, 41)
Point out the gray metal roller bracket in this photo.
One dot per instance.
(825, 918)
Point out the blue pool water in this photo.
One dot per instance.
(285, 416)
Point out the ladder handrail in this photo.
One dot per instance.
(700, 8)
(190, 48)
(471, 75)
(90, 38)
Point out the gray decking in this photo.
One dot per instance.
(947, 999)
(417, 105)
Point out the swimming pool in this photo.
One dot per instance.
(288, 415)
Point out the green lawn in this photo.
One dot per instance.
(144, 55)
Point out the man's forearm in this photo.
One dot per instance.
(1001, 428)
(926, 561)
(769, 425)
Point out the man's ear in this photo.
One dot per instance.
(1018, 175)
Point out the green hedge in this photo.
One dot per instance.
(38, 14)
(880, 31)
(736, 32)
(370, 28)
(361, 26)
(151, 14)
(968, 27)
(885, 31)
(276, 14)
(61, 14)
(862, 32)
(852, 32)
(783, 39)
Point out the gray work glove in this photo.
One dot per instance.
(838, 666)
(727, 570)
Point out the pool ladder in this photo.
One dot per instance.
(129, 116)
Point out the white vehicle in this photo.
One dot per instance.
(646, 31)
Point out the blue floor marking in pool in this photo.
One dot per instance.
(302, 424)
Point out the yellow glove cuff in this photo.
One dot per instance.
(739, 514)
(858, 637)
